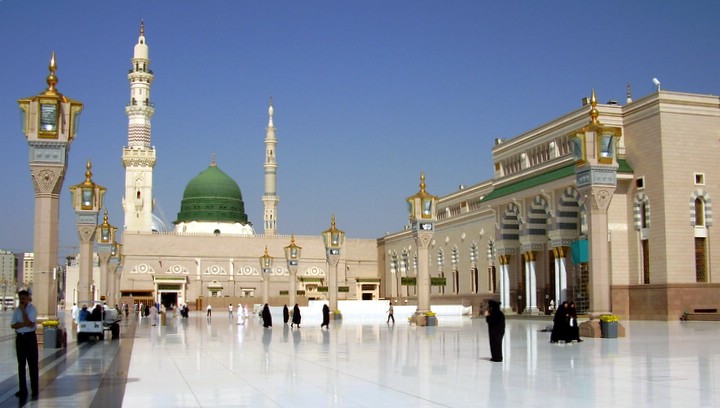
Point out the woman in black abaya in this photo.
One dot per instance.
(573, 333)
(560, 324)
(286, 314)
(296, 316)
(326, 317)
(496, 329)
(266, 317)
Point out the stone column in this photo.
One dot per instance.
(530, 283)
(563, 282)
(292, 287)
(599, 248)
(104, 258)
(504, 261)
(47, 181)
(423, 239)
(333, 261)
(86, 232)
(266, 287)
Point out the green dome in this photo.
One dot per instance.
(212, 196)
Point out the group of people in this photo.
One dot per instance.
(296, 316)
(565, 324)
(84, 314)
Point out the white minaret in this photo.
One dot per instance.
(270, 198)
(139, 156)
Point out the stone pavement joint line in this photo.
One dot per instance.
(200, 362)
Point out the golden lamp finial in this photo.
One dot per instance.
(266, 251)
(142, 27)
(105, 218)
(292, 239)
(52, 79)
(332, 222)
(593, 111)
(88, 172)
(422, 182)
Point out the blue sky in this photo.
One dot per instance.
(367, 94)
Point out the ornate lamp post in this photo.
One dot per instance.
(595, 150)
(266, 262)
(422, 220)
(106, 240)
(334, 239)
(292, 255)
(87, 199)
(49, 124)
(112, 281)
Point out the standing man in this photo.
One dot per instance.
(390, 312)
(74, 312)
(26, 346)
(230, 311)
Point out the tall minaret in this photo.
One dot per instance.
(139, 156)
(270, 198)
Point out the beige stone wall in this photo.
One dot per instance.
(232, 262)
(667, 137)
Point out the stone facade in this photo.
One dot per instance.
(532, 217)
(184, 268)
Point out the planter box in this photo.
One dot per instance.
(52, 337)
(609, 330)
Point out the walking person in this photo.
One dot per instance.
(296, 316)
(153, 315)
(573, 333)
(560, 324)
(286, 314)
(390, 313)
(326, 316)
(496, 329)
(266, 316)
(209, 311)
(74, 312)
(230, 311)
(26, 346)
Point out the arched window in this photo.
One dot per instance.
(699, 212)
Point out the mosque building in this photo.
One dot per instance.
(212, 255)
(608, 206)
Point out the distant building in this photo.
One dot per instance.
(68, 289)
(8, 272)
(26, 269)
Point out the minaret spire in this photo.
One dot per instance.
(628, 99)
(270, 198)
(139, 155)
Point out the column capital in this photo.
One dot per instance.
(47, 180)
(423, 238)
(86, 233)
(598, 197)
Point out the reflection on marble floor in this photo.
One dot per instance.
(198, 362)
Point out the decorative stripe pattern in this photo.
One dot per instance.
(640, 199)
(699, 193)
(139, 135)
(568, 214)
(510, 223)
(538, 216)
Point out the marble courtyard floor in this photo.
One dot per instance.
(366, 363)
